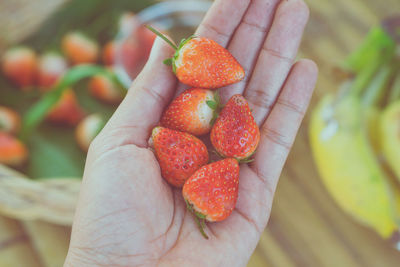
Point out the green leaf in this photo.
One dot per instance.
(38, 112)
(168, 61)
(212, 104)
(54, 153)
(377, 41)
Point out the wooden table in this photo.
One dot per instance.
(306, 226)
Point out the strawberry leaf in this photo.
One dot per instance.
(212, 104)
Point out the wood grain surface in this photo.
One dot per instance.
(306, 228)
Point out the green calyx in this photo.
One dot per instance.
(199, 218)
(170, 61)
(249, 159)
(246, 160)
(216, 106)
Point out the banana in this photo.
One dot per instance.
(348, 166)
(390, 136)
(373, 116)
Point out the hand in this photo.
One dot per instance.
(128, 215)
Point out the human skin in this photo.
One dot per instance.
(127, 214)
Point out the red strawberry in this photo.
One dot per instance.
(235, 134)
(67, 110)
(19, 64)
(104, 89)
(12, 151)
(108, 54)
(10, 121)
(79, 48)
(179, 154)
(193, 111)
(88, 129)
(202, 62)
(211, 192)
(50, 69)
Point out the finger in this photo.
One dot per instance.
(258, 182)
(253, 29)
(151, 91)
(276, 57)
(220, 23)
(222, 19)
(280, 129)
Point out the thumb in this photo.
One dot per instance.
(147, 97)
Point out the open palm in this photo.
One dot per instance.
(128, 215)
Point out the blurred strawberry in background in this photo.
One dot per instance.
(79, 48)
(10, 120)
(67, 110)
(19, 65)
(108, 53)
(88, 129)
(104, 89)
(12, 151)
(51, 67)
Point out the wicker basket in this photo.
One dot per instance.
(51, 200)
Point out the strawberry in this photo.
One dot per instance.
(202, 62)
(12, 151)
(235, 134)
(10, 121)
(88, 129)
(50, 69)
(211, 192)
(108, 54)
(19, 65)
(193, 111)
(79, 48)
(66, 110)
(127, 22)
(104, 89)
(179, 154)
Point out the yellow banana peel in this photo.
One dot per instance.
(348, 166)
(374, 118)
(372, 115)
(390, 136)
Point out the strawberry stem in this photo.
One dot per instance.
(200, 223)
(198, 217)
(162, 36)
